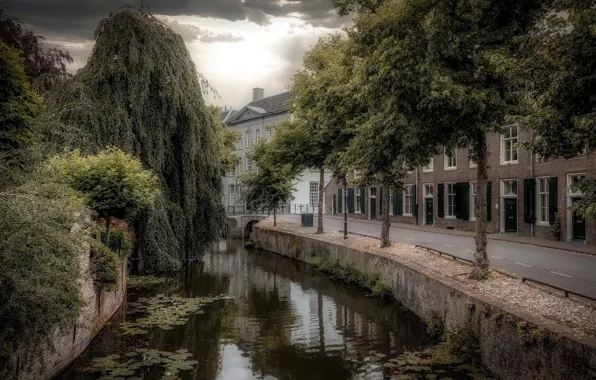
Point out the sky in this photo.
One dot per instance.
(236, 44)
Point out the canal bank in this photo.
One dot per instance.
(514, 344)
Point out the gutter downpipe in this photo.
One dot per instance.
(531, 176)
(418, 187)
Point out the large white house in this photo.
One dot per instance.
(252, 120)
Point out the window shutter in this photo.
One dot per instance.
(400, 202)
(351, 200)
(464, 200)
(340, 201)
(414, 204)
(489, 201)
(441, 200)
(381, 200)
(395, 211)
(362, 200)
(552, 199)
(529, 200)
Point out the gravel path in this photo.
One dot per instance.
(576, 313)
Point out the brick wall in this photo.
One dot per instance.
(70, 343)
(527, 166)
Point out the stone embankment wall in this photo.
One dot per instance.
(552, 353)
(67, 344)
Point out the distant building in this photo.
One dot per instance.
(526, 194)
(253, 121)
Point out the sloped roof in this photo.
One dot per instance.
(269, 105)
(227, 115)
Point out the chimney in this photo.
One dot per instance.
(257, 93)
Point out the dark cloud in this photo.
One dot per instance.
(78, 18)
(191, 33)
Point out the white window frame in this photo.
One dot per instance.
(269, 133)
(391, 201)
(428, 168)
(431, 193)
(248, 139)
(231, 195)
(248, 164)
(570, 180)
(357, 174)
(542, 210)
(450, 209)
(514, 144)
(357, 199)
(509, 195)
(313, 195)
(257, 134)
(408, 200)
(373, 192)
(448, 160)
(472, 200)
(473, 164)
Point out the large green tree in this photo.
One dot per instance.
(140, 92)
(438, 57)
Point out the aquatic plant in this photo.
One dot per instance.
(165, 312)
(115, 367)
(139, 281)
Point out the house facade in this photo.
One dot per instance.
(254, 121)
(527, 195)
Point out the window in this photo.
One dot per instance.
(450, 161)
(314, 193)
(248, 164)
(473, 164)
(232, 195)
(258, 134)
(391, 191)
(239, 167)
(408, 200)
(450, 194)
(572, 181)
(509, 188)
(358, 200)
(509, 145)
(373, 191)
(357, 174)
(269, 133)
(542, 199)
(472, 200)
(428, 167)
(248, 139)
(428, 191)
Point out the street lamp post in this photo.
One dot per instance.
(345, 211)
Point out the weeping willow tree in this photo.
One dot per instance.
(140, 91)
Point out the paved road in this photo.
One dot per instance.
(570, 270)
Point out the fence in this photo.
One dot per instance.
(284, 209)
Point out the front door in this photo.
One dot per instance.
(373, 208)
(334, 205)
(510, 214)
(578, 225)
(429, 211)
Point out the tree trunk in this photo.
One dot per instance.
(386, 221)
(274, 218)
(320, 208)
(108, 222)
(480, 256)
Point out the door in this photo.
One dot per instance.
(578, 225)
(334, 205)
(373, 208)
(429, 211)
(510, 214)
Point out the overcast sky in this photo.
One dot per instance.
(236, 44)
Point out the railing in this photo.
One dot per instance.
(284, 209)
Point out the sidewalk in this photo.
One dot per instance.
(575, 247)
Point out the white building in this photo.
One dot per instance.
(253, 121)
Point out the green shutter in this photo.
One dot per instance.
(395, 212)
(441, 195)
(489, 201)
(529, 200)
(463, 200)
(340, 201)
(381, 200)
(351, 200)
(552, 199)
(400, 202)
(362, 200)
(414, 204)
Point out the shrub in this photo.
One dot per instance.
(104, 267)
(464, 344)
(121, 241)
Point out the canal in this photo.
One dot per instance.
(285, 321)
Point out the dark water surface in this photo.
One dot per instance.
(286, 321)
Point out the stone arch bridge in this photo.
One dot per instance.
(241, 225)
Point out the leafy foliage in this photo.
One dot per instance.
(19, 106)
(45, 67)
(586, 206)
(227, 140)
(43, 228)
(140, 92)
(104, 267)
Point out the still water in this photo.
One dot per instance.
(286, 321)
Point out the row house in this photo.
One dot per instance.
(527, 195)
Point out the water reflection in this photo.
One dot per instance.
(286, 322)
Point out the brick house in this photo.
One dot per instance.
(525, 192)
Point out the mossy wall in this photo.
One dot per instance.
(513, 344)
